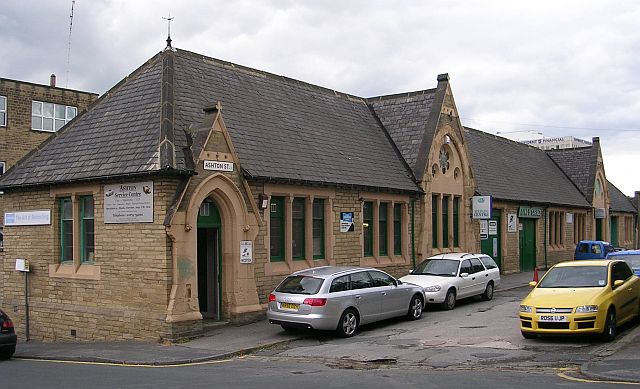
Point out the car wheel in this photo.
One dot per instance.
(488, 292)
(450, 300)
(8, 353)
(528, 335)
(348, 324)
(415, 308)
(610, 326)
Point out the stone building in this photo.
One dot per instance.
(29, 114)
(544, 202)
(193, 186)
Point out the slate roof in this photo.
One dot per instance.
(579, 164)
(282, 129)
(509, 170)
(117, 136)
(405, 117)
(619, 201)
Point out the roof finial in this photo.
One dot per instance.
(168, 19)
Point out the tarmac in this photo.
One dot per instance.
(617, 361)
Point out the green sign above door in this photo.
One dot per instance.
(530, 212)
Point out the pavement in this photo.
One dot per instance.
(617, 361)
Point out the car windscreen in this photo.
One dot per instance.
(575, 277)
(437, 267)
(300, 285)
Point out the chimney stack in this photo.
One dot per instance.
(52, 80)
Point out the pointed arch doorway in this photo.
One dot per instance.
(210, 260)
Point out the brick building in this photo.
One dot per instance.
(29, 114)
(192, 187)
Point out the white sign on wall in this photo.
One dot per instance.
(218, 165)
(129, 203)
(512, 222)
(493, 227)
(481, 207)
(569, 218)
(27, 218)
(484, 229)
(246, 251)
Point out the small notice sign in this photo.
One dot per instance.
(346, 222)
(493, 227)
(512, 222)
(218, 165)
(484, 229)
(246, 251)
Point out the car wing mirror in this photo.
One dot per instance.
(617, 283)
(411, 271)
(464, 275)
(533, 284)
(398, 282)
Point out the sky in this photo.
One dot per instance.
(560, 68)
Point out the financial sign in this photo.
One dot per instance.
(481, 207)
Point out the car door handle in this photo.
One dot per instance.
(486, 275)
(358, 296)
(473, 278)
(384, 293)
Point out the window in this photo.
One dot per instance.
(361, 280)
(434, 221)
(445, 221)
(66, 230)
(579, 227)
(87, 242)
(382, 228)
(465, 267)
(3, 111)
(367, 228)
(397, 229)
(297, 228)
(318, 229)
(381, 279)
(50, 117)
(556, 228)
(276, 229)
(489, 263)
(297, 217)
(2, 167)
(476, 266)
(456, 221)
(1, 239)
(340, 284)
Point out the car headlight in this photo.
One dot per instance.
(526, 309)
(433, 288)
(587, 309)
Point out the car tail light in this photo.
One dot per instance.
(272, 297)
(7, 326)
(315, 302)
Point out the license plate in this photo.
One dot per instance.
(553, 318)
(289, 306)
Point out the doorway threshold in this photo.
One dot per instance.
(210, 325)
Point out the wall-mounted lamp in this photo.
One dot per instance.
(447, 139)
(263, 201)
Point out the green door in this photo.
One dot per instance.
(209, 249)
(493, 242)
(599, 229)
(527, 244)
(614, 231)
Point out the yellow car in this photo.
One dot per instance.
(581, 297)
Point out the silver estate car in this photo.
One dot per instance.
(342, 299)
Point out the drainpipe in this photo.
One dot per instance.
(545, 236)
(413, 232)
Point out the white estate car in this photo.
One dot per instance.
(449, 277)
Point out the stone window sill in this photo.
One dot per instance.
(83, 272)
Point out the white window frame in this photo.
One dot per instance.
(53, 117)
(3, 109)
